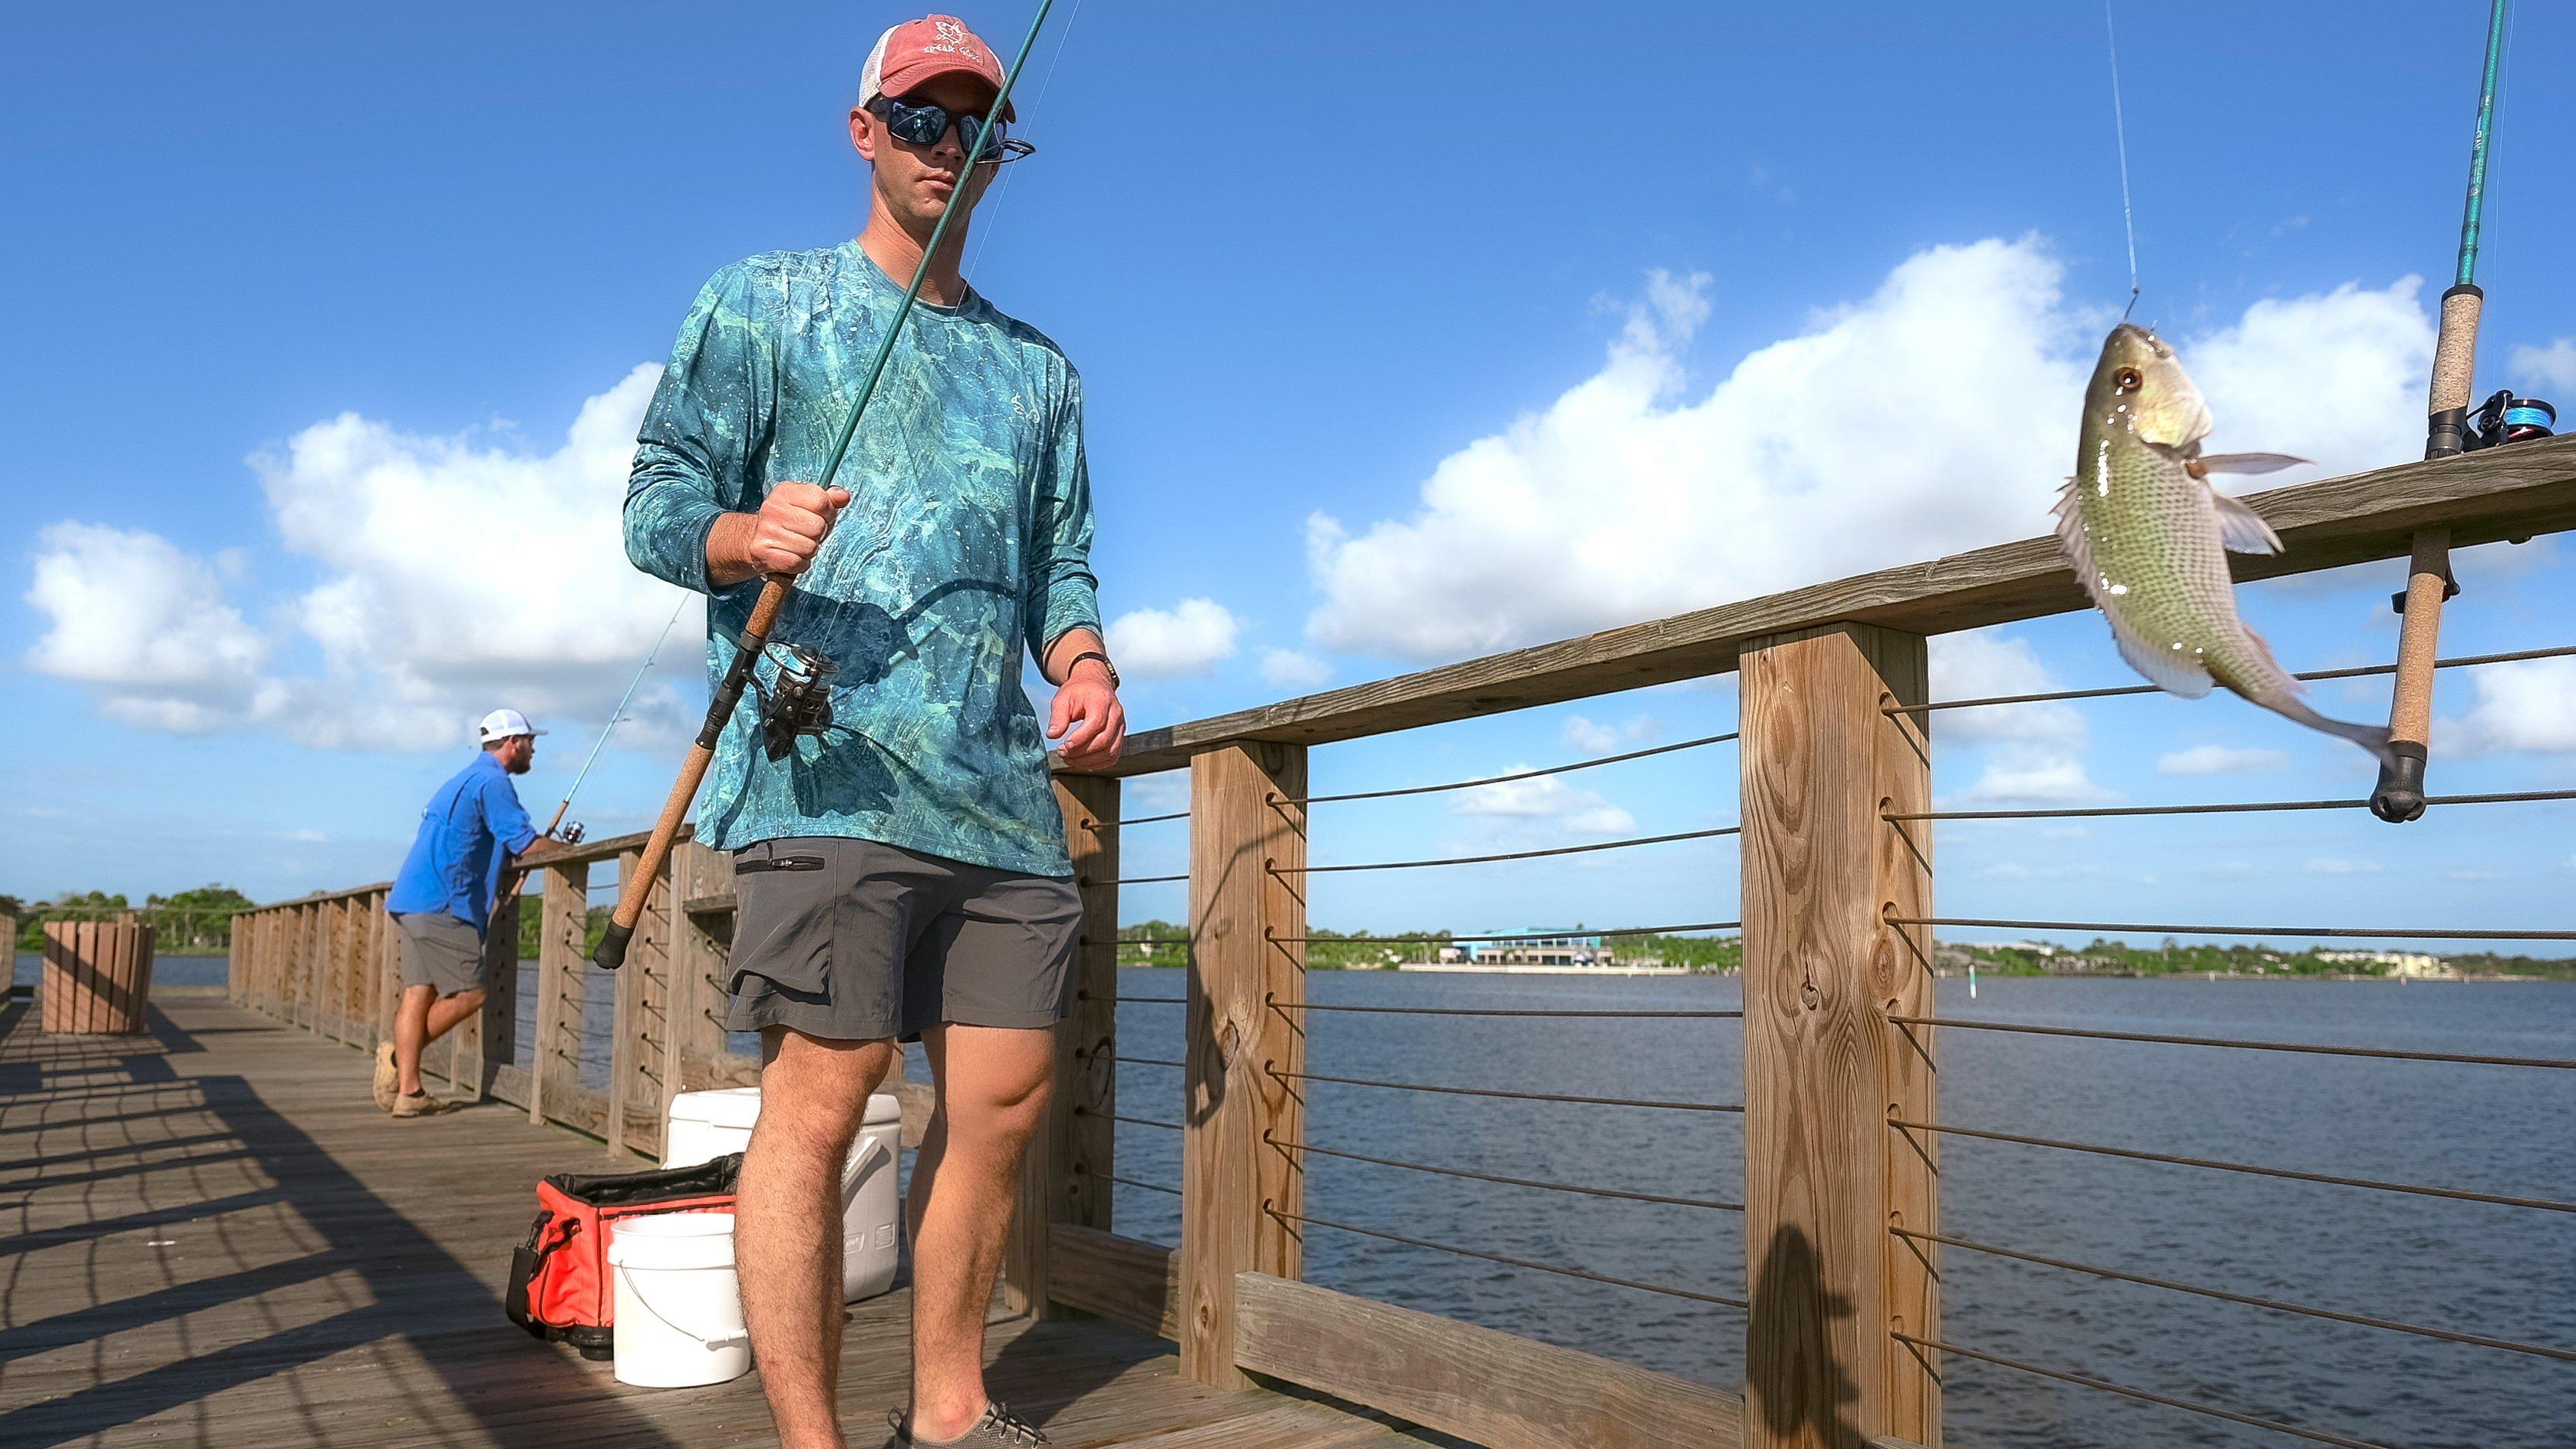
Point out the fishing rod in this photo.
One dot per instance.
(2399, 795)
(638, 883)
(614, 716)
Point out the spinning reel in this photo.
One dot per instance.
(570, 834)
(798, 702)
(2508, 419)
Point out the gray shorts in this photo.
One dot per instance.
(440, 951)
(856, 940)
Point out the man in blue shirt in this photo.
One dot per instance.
(441, 903)
(900, 864)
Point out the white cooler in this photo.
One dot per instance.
(711, 1124)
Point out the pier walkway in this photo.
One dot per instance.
(210, 1237)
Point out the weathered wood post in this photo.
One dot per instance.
(1823, 762)
(316, 942)
(555, 1070)
(495, 1043)
(1247, 924)
(634, 1030)
(1062, 1181)
(701, 887)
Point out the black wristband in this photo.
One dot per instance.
(1092, 654)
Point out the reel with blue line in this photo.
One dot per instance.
(2509, 419)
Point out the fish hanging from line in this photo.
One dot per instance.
(2149, 536)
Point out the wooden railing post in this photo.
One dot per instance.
(1247, 893)
(1063, 1179)
(636, 1022)
(496, 1028)
(317, 955)
(1823, 762)
(556, 1068)
(696, 1040)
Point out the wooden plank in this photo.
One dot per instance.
(1125, 1280)
(1496, 1389)
(1822, 760)
(2498, 493)
(1247, 862)
(697, 957)
(625, 1008)
(1057, 1178)
(644, 1016)
(554, 1071)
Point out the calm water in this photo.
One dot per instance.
(2501, 1271)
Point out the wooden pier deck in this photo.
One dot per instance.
(213, 1238)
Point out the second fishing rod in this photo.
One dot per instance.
(775, 591)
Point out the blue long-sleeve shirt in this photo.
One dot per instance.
(967, 540)
(468, 832)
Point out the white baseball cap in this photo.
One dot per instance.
(502, 724)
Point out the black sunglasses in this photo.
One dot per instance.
(923, 123)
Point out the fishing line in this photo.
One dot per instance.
(2120, 130)
(975, 248)
(619, 713)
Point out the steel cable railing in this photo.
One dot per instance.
(2291, 1174)
(1089, 1171)
(2446, 1335)
(2428, 933)
(1091, 1056)
(2394, 1054)
(1275, 1004)
(1667, 1290)
(1509, 936)
(2239, 807)
(1670, 1106)
(1507, 855)
(1134, 1121)
(2318, 1436)
(1278, 799)
(1273, 1141)
(2118, 691)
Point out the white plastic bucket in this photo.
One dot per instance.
(677, 1303)
(713, 1122)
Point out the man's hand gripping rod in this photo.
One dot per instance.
(633, 890)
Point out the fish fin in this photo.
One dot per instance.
(2164, 668)
(2247, 462)
(2242, 529)
(2373, 738)
(2287, 703)
(2161, 668)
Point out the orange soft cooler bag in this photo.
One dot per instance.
(559, 1277)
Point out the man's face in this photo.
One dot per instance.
(913, 182)
(519, 753)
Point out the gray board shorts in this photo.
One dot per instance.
(857, 940)
(440, 951)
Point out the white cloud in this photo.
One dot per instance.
(2328, 865)
(2017, 778)
(2527, 707)
(2220, 760)
(146, 625)
(454, 575)
(1547, 798)
(2553, 366)
(1191, 637)
(2034, 752)
(1602, 739)
(1289, 669)
(1633, 495)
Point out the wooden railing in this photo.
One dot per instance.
(1843, 1281)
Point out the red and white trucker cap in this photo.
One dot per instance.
(913, 52)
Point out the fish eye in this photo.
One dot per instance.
(2126, 379)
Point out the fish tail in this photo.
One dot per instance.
(2373, 738)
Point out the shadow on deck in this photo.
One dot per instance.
(215, 1239)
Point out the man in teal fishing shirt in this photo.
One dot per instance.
(900, 861)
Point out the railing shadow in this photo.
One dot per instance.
(408, 1291)
(1790, 1364)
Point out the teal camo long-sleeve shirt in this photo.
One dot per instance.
(967, 540)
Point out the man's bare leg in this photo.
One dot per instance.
(994, 1083)
(423, 1017)
(787, 1223)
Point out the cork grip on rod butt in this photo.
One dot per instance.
(2399, 796)
(2455, 355)
(633, 891)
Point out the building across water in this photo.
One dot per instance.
(1549, 951)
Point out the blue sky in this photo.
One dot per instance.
(1407, 332)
